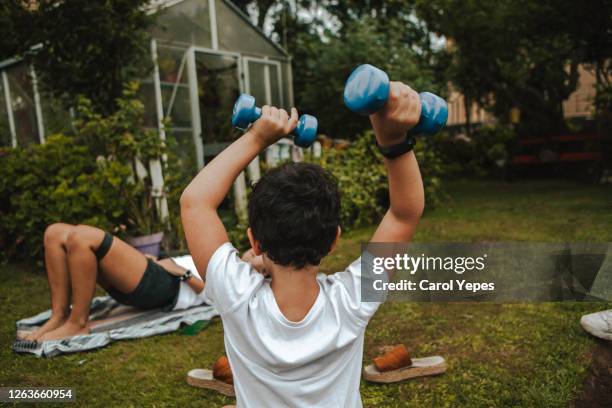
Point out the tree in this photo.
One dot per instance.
(328, 39)
(14, 24)
(518, 53)
(320, 73)
(83, 47)
(262, 6)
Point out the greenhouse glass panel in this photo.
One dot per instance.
(177, 107)
(56, 117)
(176, 104)
(236, 34)
(287, 85)
(218, 89)
(257, 82)
(184, 149)
(147, 96)
(174, 83)
(275, 86)
(5, 130)
(187, 22)
(172, 65)
(22, 102)
(263, 81)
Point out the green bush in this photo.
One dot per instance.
(58, 181)
(484, 154)
(87, 177)
(363, 180)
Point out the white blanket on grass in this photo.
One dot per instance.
(110, 321)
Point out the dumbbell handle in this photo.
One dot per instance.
(245, 112)
(367, 91)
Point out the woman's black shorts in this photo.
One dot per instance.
(157, 288)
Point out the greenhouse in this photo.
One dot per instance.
(204, 53)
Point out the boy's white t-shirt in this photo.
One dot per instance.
(187, 297)
(279, 363)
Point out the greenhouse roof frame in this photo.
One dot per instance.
(157, 5)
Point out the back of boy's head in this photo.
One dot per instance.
(294, 213)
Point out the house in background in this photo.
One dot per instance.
(578, 105)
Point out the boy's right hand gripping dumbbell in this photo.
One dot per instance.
(245, 112)
(400, 114)
(274, 124)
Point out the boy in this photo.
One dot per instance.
(295, 339)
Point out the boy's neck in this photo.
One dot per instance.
(295, 290)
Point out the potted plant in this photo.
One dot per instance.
(146, 230)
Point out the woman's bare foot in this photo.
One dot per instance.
(53, 323)
(68, 329)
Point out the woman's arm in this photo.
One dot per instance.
(197, 285)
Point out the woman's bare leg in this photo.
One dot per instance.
(121, 268)
(57, 274)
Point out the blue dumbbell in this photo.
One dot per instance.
(367, 90)
(245, 112)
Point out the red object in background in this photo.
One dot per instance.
(525, 159)
(558, 149)
(579, 156)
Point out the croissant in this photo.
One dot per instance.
(398, 357)
(222, 371)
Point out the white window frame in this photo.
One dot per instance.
(37, 106)
(9, 108)
(196, 119)
(267, 63)
(212, 14)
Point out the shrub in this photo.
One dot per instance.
(121, 137)
(58, 181)
(363, 181)
(484, 154)
(87, 177)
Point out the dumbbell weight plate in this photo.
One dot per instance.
(305, 131)
(434, 114)
(245, 112)
(366, 90)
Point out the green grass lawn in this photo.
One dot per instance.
(511, 355)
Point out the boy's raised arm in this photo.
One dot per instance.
(407, 198)
(204, 231)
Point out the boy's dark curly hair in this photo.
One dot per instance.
(294, 213)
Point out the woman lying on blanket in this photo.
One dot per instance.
(78, 256)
